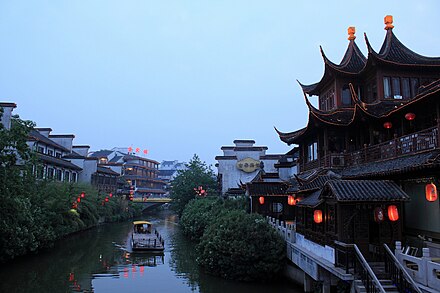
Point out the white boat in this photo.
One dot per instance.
(145, 238)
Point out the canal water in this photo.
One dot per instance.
(100, 260)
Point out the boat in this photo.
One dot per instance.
(145, 238)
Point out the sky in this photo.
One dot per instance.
(178, 77)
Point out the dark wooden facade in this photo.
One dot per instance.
(378, 119)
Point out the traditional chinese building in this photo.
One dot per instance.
(369, 159)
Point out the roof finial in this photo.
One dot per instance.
(388, 22)
(351, 31)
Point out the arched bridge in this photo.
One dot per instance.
(151, 202)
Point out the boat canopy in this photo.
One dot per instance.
(141, 223)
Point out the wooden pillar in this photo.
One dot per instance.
(308, 283)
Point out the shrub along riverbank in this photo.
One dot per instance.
(230, 242)
(34, 213)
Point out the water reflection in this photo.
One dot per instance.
(101, 260)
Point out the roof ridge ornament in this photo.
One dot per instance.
(351, 31)
(388, 22)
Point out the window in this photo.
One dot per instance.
(406, 88)
(66, 176)
(346, 96)
(74, 177)
(396, 88)
(50, 173)
(312, 152)
(59, 174)
(50, 152)
(327, 100)
(40, 172)
(387, 87)
(58, 155)
(40, 150)
(414, 86)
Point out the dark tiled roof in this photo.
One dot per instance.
(101, 153)
(57, 162)
(235, 191)
(399, 165)
(364, 190)
(311, 201)
(316, 183)
(106, 170)
(394, 51)
(115, 159)
(73, 155)
(166, 172)
(267, 188)
(35, 135)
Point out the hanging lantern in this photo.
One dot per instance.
(78, 199)
(110, 194)
(393, 213)
(83, 194)
(387, 125)
(431, 192)
(291, 200)
(261, 199)
(106, 199)
(410, 116)
(378, 215)
(317, 216)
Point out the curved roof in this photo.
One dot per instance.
(352, 63)
(346, 116)
(393, 51)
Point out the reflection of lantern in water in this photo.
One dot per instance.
(393, 213)
(431, 192)
(125, 272)
(133, 269)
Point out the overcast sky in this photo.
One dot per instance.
(184, 77)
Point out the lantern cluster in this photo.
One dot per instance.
(138, 150)
(78, 200)
(200, 191)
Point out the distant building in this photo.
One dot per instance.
(50, 151)
(241, 163)
(168, 169)
(5, 118)
(141, 174)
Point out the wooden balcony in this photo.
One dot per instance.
(405, 145)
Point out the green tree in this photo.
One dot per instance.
(196, 174)
(242, 247)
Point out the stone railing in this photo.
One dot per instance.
(424, 270)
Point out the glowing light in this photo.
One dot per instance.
(431, 192)
(317, 216)
(393, 213)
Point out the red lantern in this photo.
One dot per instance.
(378, 215)
(431, 192)
(110, 194)
(387, 125)
(393, 213)
(78, 199)
(83, 194)
(130, 149)
(410, 116)
(261, 199)
(106, 199)
(317, 216)
(291, 200)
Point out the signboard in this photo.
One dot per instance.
(248, 165)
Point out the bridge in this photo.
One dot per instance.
(151, 202)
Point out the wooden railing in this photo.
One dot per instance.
(350, 257)
(398, 274)
(408, 144)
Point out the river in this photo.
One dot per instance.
(98, 260)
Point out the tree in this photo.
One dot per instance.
(242, 247)
(185, 186)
